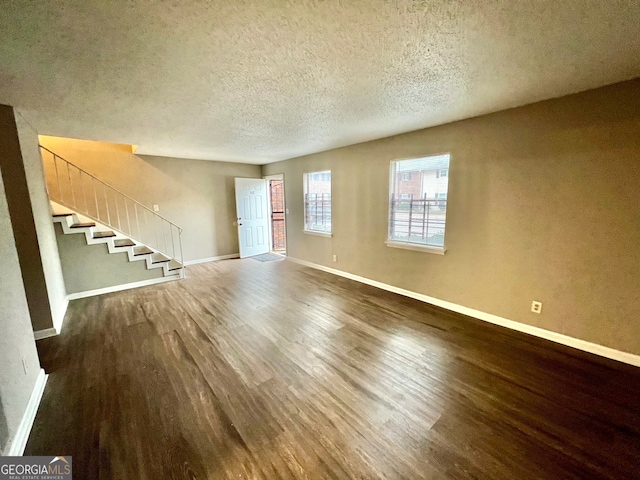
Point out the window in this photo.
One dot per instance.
(317, 202)
(417, 217)
(406, 177)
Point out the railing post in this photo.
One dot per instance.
(84, 194)
(126, 209)
(117, 212)
(46, 180)
(106, 202)
(95, 196)
(146, 226)
(184, 268)
(155, 229)
(73, 195)
(173, 245)
(135, 208)
(164, 235)
(55, 165)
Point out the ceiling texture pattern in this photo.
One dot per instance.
(265, 80)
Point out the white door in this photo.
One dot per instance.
(253, 221)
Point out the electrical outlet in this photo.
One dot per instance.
(24, 365)
(287, 210)
(156, 208)
(335, 258)
(536, 307)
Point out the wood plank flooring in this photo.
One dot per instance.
(273, 370)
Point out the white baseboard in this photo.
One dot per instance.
(19, 442)
(46, 333)
(212, 259)
(577, 343)
(118, 288)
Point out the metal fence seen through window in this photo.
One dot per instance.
(417, 220)
(317, 207)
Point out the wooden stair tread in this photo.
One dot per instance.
(83, 225)
(105, 234)
(142, 250)
(56, 215)
(159, 258)
(124, 242)
(174, 265)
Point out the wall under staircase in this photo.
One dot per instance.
(91, 267)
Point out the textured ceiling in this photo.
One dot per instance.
(263, 80)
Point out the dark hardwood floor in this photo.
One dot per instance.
(272, 370)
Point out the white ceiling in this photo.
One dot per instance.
(264, 80)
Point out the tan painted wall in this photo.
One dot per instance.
(22, 214)
(197, 195)
(544, 204)
(90, 267)
(42, 219)
(16, 337)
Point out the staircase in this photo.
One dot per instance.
(83, 204)
(96, 233)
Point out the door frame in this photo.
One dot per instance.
(277, 176)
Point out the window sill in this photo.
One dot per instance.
(417, 247)
(318, 234)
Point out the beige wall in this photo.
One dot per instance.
(197, 195)
(91, 267)
(543, 204)
(23, 212)
(16, 337)
(42, 219)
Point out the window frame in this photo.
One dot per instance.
(421, 247)
(305, 188)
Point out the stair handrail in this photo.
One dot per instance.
(112, 188)
(57, 157)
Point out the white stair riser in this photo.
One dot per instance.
(68, 220)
